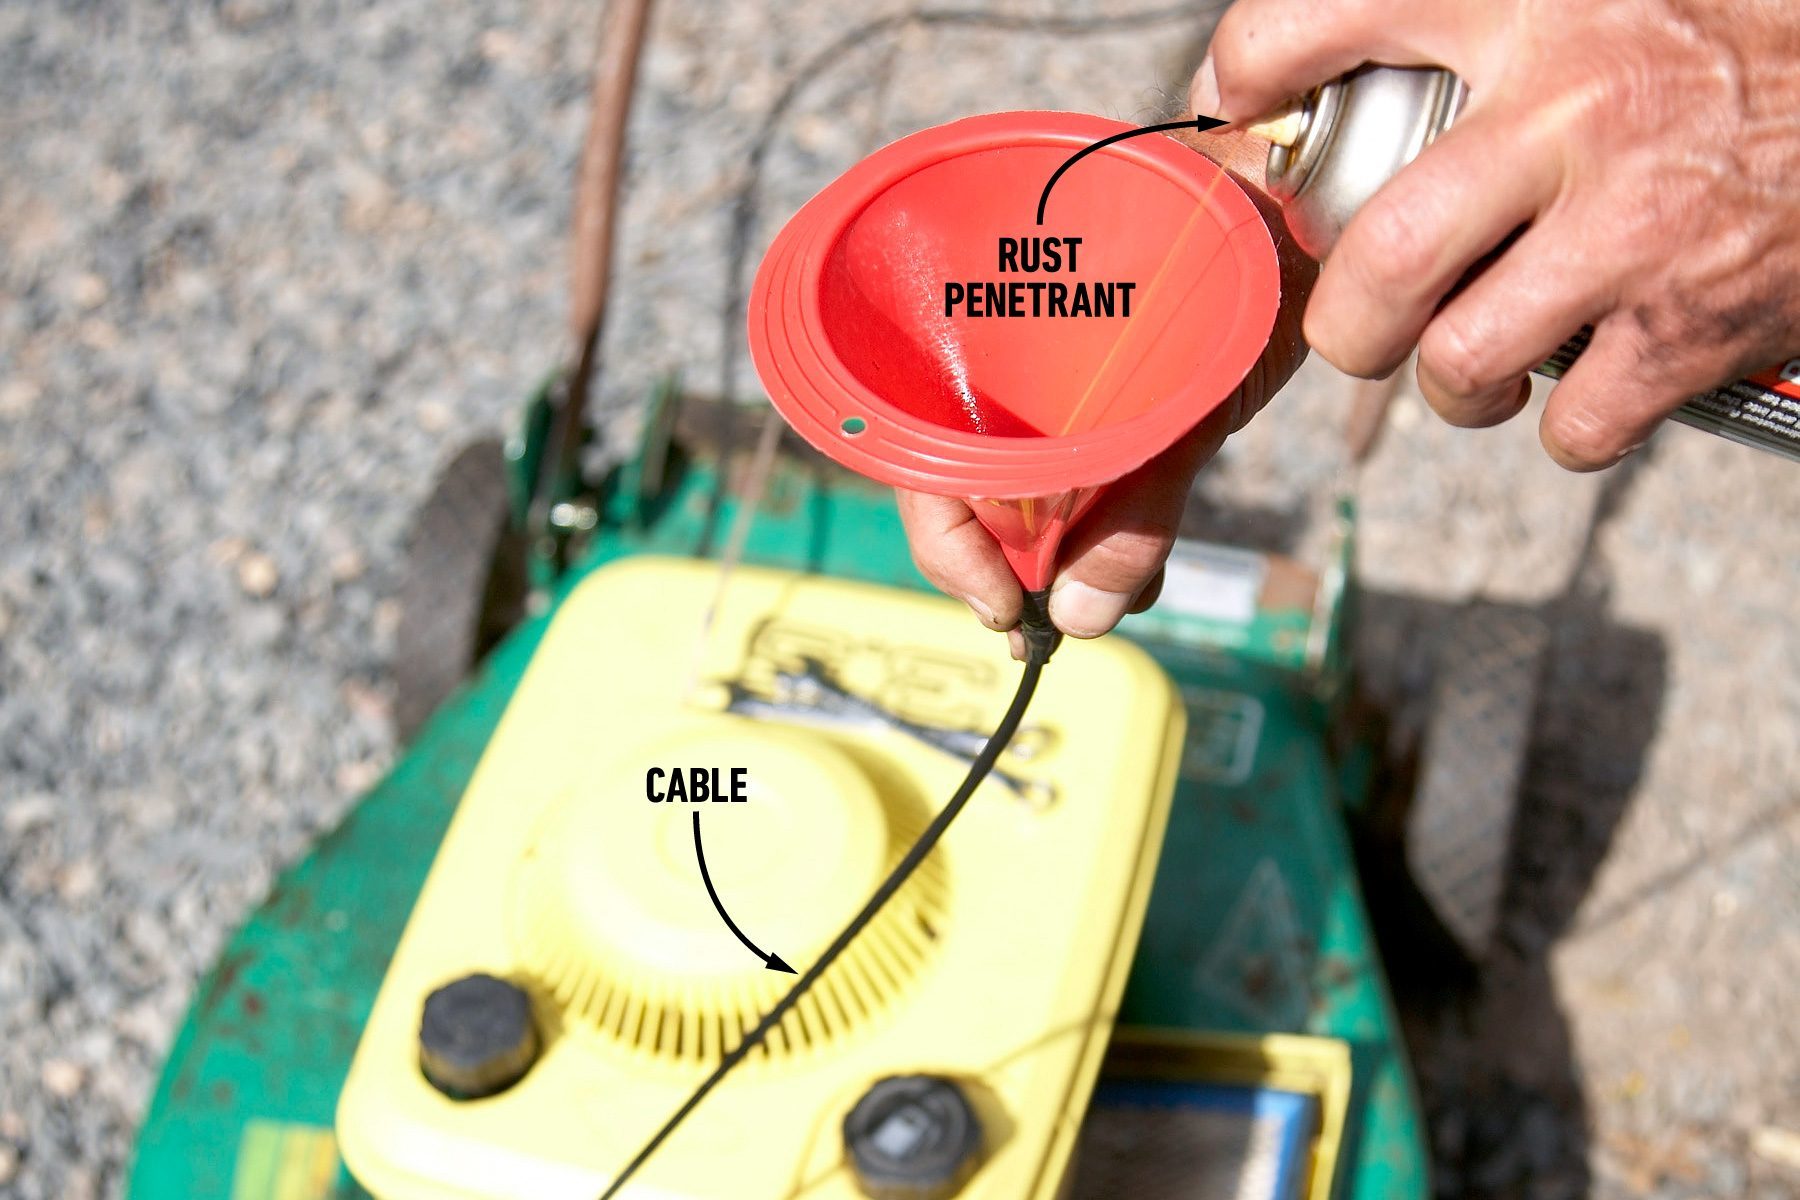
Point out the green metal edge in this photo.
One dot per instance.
(271, 1029)
(1256, 921)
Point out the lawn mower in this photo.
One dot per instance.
(654, 767)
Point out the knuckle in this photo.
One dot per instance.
(1392, 250)
(1458, 359)
(1131, 556)
(1662, 328)
(928, 556)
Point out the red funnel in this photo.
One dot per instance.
(1027, 416)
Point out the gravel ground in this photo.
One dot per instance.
(264, 265)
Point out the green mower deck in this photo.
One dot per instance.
(1256, 923)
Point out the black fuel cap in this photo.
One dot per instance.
(476, 1037)
(913, 1137)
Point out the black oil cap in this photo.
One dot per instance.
(913, 1137)
(476, 1037)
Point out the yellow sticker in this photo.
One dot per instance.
(281, 1160)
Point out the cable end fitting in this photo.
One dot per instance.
(1041, 637)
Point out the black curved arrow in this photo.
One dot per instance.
(772, 961)
(1197, 124)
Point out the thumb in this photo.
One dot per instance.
(1266, 52)
(1117, 551)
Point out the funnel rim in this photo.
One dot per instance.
(938, 459)
(815, 389)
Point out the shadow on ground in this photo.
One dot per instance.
(1508, 1114)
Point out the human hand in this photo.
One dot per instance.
(1111, 561)
(1627, 164)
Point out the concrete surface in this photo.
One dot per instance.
(264, 265)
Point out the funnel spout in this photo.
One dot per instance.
(1030, 530)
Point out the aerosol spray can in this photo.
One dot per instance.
(1334, 149)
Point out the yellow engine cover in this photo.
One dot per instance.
(999, 964)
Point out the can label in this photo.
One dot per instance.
(1762, 410)
(1784, 379)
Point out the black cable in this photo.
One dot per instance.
(1041, 638)
(1041, 643)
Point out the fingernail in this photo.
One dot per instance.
(1083, 611)
(983, 612)
(1016, 641)
(1205, 93)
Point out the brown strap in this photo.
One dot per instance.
(602, 154)
(1370, 400)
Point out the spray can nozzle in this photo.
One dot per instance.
(1282, 128)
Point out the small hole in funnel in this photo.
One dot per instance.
(853, 425)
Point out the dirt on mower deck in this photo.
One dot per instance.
(265, 265)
